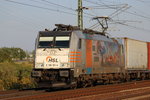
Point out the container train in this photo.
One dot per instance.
(67, 56)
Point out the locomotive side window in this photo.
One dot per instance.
(79, 44)
(93, 47)
(62, 41)
(45, 42)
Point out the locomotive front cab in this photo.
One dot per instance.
(52, 65)
(52, 50)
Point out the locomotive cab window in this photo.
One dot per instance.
(45, 42)
(54, 39)
(62, 42)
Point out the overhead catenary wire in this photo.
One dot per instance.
(104, 5)
(125, 7)
(124, 21)
(143, 1)
(35, 6)
(68, 8)
(107, 1)
(118, 11)
(134, 27)
(71, 9)
(117, 6)
(58, 5)
(51, 3)
(65, 7)
(138, 15)
(117, 22)
(135, 14)
(139, 10)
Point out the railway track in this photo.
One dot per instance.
(121, 91)
(12, 94)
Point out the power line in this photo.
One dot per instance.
(138, 15)
(139, 28)
(74, 10)
(96, 3)
(54, 10)
(113, 6)
(65, 7)
(71, 9)
(104, 5)
(118, 11)
(123, 9)
(143, 1)
(132, 13)
(58, 5)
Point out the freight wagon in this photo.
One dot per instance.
(71, 57)
(136, 54)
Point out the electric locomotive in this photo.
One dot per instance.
(67, 56)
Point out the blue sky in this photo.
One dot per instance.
(19, 24)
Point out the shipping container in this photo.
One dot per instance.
(148, 48)
(135, 54)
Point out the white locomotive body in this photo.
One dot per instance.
(64, 57)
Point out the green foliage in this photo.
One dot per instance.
(6, 54)
(15, 76)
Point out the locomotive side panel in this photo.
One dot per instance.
(96, 58)
(101, 54)
(76, 56)
(148, 47)
(109, 55)
(136, 54)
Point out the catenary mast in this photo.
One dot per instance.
(80, 14)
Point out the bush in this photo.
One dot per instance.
(15, 76)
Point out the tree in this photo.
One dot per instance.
(6, 54)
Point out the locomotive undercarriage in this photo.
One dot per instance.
(53, 77)
(112, 78)
(65, 78)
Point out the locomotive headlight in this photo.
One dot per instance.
(36, 73)
(64, 64)
(39, 65)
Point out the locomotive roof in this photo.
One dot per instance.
(54, 33)
(100, 37)
(65, 30)
(80, 34)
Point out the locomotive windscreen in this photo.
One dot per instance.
(54, 39)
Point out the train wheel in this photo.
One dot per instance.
(84, 84)
(74, 86)
(91, 83)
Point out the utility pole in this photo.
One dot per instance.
(80, 14)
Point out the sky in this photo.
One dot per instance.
(21, 20)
